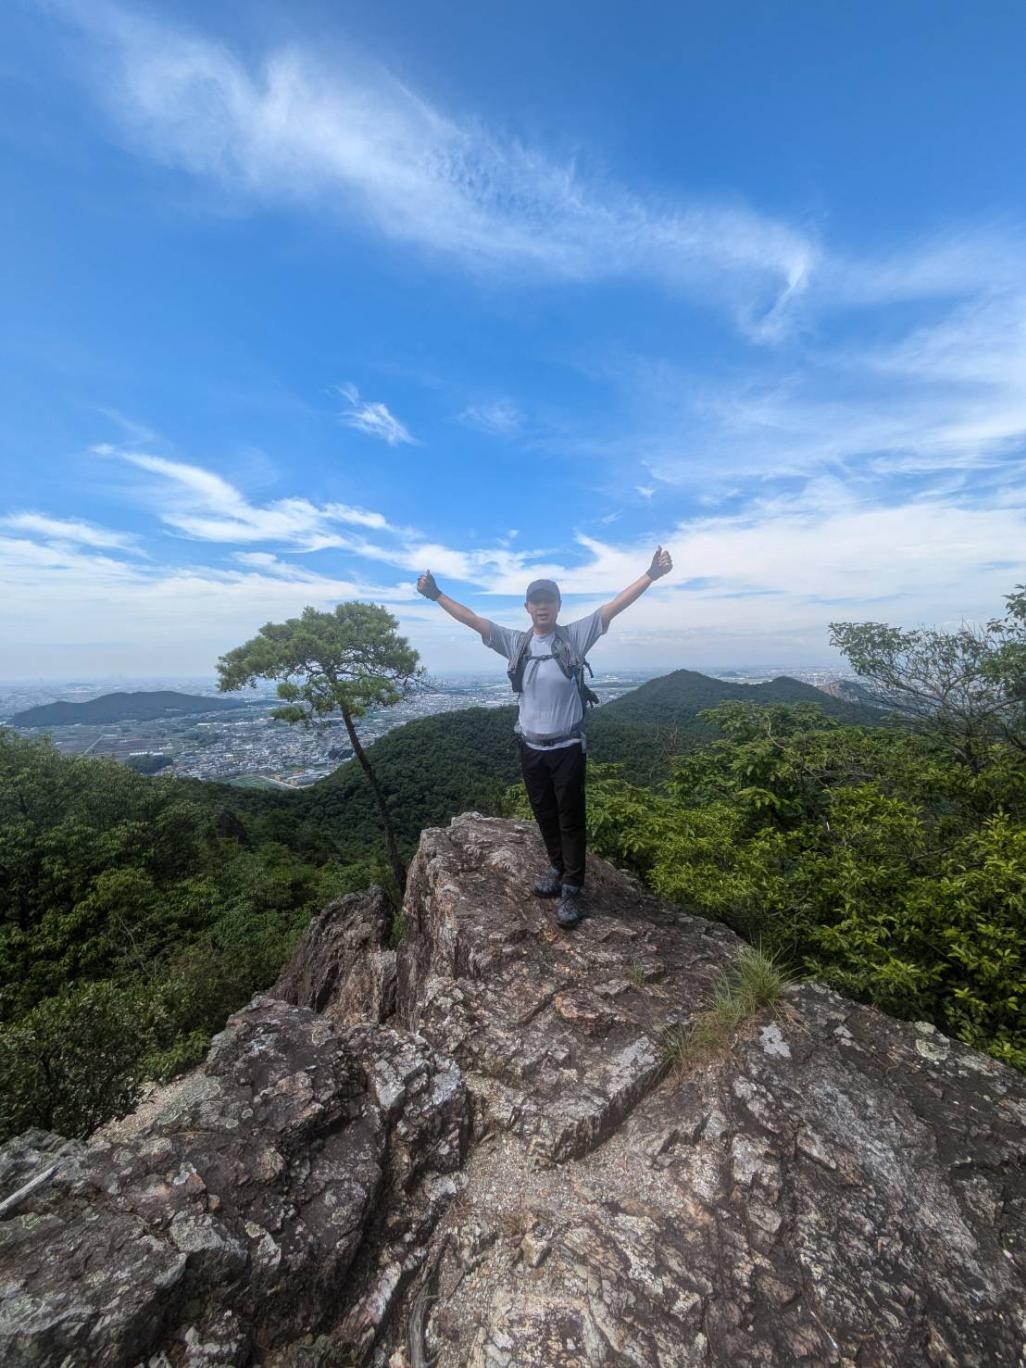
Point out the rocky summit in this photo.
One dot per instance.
(469, 1149)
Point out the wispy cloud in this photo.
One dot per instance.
(72, 608)
(372, 418)
(932, 392)
(500, 418)
(347, 137)
(71, 530)
(202, 505)
(822, 554)
(831, 537)
(813, 558)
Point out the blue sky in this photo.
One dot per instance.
(301, 300)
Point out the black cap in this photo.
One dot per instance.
(543, 587)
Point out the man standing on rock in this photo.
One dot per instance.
(546, 669)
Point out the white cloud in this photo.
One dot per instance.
(343, 135)
(70, 530)
(206, 507)
(976, 259)
(919, 560)
(203, 506)
(374, 419)
(760, 586)
(500, 418)
(832, 540)
(26, 564)
(941, 396)
(64, 608)
(261, 559)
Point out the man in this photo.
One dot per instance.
(547, 672)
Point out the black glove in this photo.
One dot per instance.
(426, 585)
(661, 564)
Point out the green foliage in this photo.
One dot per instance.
(136, 913)
(74, 1061)
(428, 770)
(681, 699)
(965, 688)
(347, 661)
(123, 911)
(435, 767)
(152, 763)
(948, 948)
(121, 707)
(871, 859)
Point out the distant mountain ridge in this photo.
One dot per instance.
(675, 699)
(122, 707)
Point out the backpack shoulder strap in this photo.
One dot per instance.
(573, 665)
(518, 659)
(566, 642)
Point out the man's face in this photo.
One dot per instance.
(544, 610)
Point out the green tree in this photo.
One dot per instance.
(966, 687)
(75, 1060)
(343, 661)
(870, 858)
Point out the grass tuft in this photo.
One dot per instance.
(755, 980)
(636, 975)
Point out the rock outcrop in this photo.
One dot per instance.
(470, 1151)
(343, 968)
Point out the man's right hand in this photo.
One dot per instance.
(426, 585)
(661, 565)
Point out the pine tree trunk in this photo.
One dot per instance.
(398, 868)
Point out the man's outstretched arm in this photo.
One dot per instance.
(661, 565)
(426, 585)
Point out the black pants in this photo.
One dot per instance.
(554, 780)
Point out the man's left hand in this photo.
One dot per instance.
(661, 564)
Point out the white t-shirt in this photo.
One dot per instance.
(550, 704)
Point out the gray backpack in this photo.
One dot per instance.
(564, 652)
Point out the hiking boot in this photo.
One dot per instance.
(549, 884)
(569, 912)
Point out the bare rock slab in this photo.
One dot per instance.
(342, 965)
(836, 1188)
(231, 1225)
(813, 1196)
(560, 1034)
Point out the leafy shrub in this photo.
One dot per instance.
(871, 859)
(74, 1061)
(131, 927)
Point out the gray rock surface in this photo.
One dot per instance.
(560, 1035)
(342, 966)
(229, 1227)
(494, 1167)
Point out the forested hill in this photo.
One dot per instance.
(437, 766)
(429, 770)
(677, 698)
(122, 707)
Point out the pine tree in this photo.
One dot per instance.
(343, 661)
